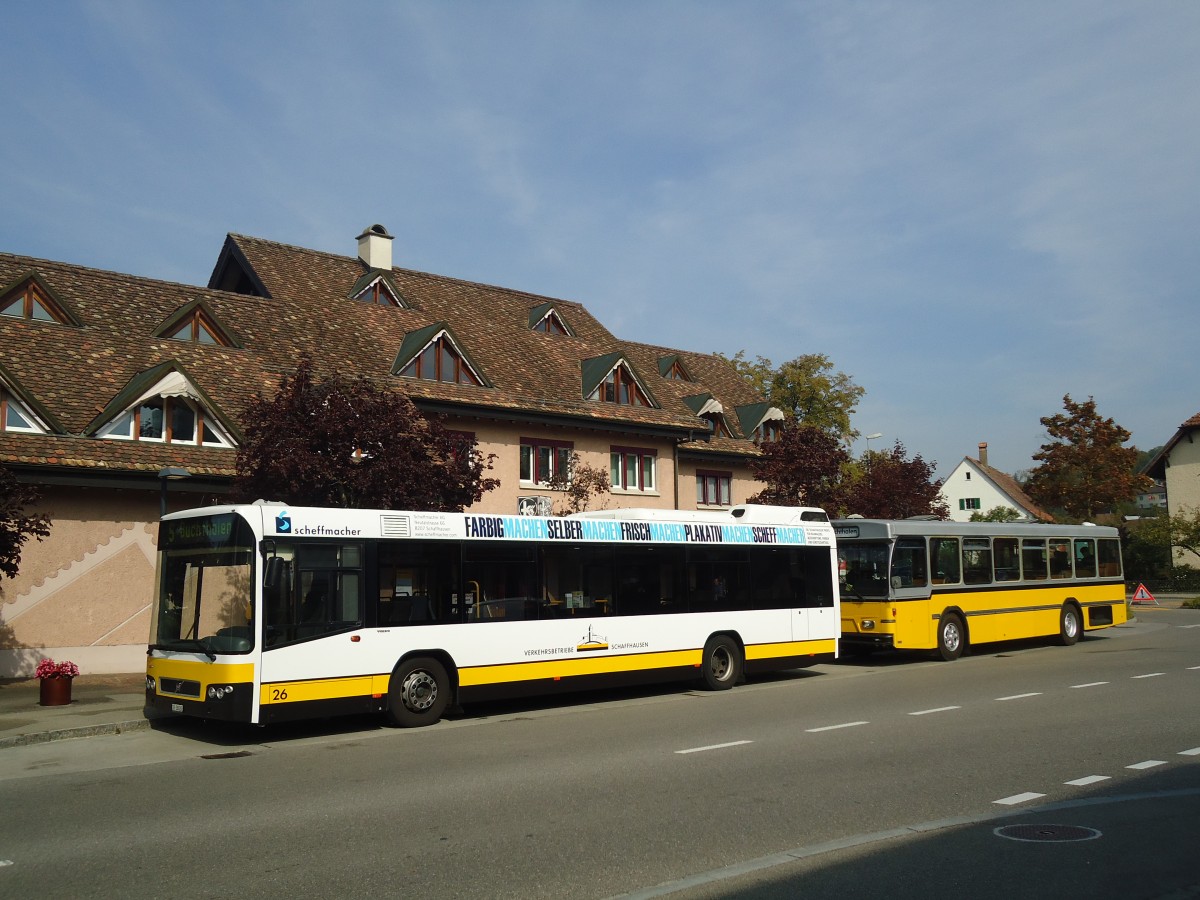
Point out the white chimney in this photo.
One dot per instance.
(375, 248)
(983, 453)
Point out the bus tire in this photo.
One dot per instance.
(952, 637)
(418, 693)
(1070, 624)
(721, 666)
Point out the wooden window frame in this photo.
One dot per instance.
(702, 495)
(442, 347)
(618, 463)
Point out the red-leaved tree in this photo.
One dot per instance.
(892, 486)
(803, 467)
(16, 525)
(345, 442)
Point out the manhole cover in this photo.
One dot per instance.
(1047, 833)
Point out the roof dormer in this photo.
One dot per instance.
(376, 287)
(611, 379)
(164, 405)
(672, 368)
(20, 412)
(434, 354)
(545, 318)
(31, 298)
(196, 323)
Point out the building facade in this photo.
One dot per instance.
(121, 396)
(1177, 466)
(975, 487)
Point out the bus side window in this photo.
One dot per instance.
(909, 568)
(1110, 558)
(1085, 558)
(947, 565)
(977, 558)
(1060, 558)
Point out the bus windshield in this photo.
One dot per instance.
(863, 568)
(204, 599)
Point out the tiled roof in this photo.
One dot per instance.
(1009, 485)
(75, 372)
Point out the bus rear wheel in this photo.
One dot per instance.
(721, 666)
(1070, 624)
(952, 637)
(419, 692)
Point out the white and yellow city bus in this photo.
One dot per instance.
(917, 584)
(265, 612)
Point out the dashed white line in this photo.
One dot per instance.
(1151, 675)
(1019, 798)
(1089, 684)
(1192, 668)
(925, 712)
(1020, 696)
(1148, 764)
(835, 727)
(1195, 751)
(1189, 626)
(714, 747)
(1087, 779)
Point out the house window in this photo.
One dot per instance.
(969, 503)
(551, 324)
(198, 328)
(441, 361)
(29, 301)
(717, 424)
(619, 386)
(542, 460)
(14, 416)
(378, 293)
(767, 432)
(171, 420)
(633, 469)
(676, 373)
(714, 488)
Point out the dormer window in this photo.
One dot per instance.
(171, 420)
(619, 386)
(441, 361)
(671, 368)
(545, 318)
(768, 431)
(718, 426)
(198, 328)
(376, 289)
(15, 417)
(30, 300)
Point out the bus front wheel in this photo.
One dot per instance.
(952, 637)
(722, 663)
(1070, 624)
(419, 692)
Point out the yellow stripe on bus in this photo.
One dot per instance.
(370, 685)
(203, 672)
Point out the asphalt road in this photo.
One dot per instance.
(886, 776)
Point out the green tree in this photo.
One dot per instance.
(1180, 531)
(345, 442)
(580, 484)
(16, 525)
(1084, 470)
(803, 467)
(806, 387)
(997, 514)
(889, 485)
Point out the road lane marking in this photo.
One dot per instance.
(1019, 798)
(1191, 668)
(1087, 779)
(1189, 626)
(1020, 696)
(835, 727)
(715, 747)
(925, 712)
(1089, 684)
(1195, 751)
(1151, 675)
(1148, 764)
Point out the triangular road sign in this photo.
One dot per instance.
(1141, 595)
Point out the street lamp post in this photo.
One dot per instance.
(170, 473)
(871, 437)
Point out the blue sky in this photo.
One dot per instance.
(972, 208)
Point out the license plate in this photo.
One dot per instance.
(176, 707)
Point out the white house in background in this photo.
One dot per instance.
(975, 487)
(1177, 465)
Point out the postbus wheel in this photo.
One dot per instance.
(1070, 624)
(419, 692)
(952, 637)
(721, 666)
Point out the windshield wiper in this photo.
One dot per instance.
(187, 642)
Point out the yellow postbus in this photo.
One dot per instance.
(917, 584)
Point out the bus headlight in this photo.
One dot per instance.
(219, 691)
(150, 682)
(868, 624)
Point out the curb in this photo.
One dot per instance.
(42, 737)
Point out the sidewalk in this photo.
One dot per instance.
(112, 704)
(100, 704)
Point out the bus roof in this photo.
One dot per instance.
(884, 529)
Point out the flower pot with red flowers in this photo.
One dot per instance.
(56, 678)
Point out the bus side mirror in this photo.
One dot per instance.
(275, 573)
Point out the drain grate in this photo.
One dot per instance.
(1047, 833)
